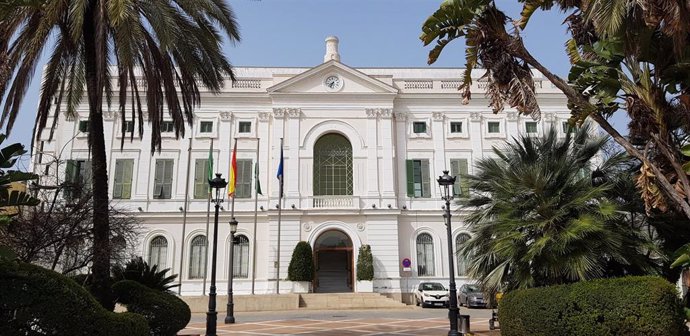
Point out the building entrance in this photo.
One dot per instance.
(334, 263)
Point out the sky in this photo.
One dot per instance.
(372, 33)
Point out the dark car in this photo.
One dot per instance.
(471, 296)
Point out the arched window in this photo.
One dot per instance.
(158, 252)
(240, 263)
(332, 165)
(462, 261)
(197, 257)
(425, 255)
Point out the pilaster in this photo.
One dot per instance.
(439, 137)
(372, 175)
(477, 136)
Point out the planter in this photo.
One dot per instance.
(365, 286)
(301, 286)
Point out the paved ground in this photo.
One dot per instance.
(415, 321)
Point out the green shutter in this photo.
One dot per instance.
(410, 177)
(158, 179)
(117, 184)
(200, 178)
(459, 169)
(127, 179)
(244, 179)
(168, 177)
(426, 179)
(69, 170)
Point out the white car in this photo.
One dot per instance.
(431, 294)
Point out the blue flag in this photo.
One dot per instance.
(280, 170)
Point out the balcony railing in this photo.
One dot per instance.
(335, 202)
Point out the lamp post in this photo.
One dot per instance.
(218, 184)
(446, 183)
(230, 313)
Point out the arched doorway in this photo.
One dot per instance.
(334, 263)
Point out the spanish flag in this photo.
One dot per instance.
(233, 172)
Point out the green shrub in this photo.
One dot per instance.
(139, 270)
(165, 313)
(37, 301)
(302, 263)
(365, 264)
(628, 306)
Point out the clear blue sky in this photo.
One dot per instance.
(372, 33)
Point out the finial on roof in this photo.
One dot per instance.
(331, 49)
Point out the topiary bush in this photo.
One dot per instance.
(166, 313)
(37, 301)
(628, 306)
(365, 264)
(302, 263)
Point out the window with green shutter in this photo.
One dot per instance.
(167, 127)
(244, 179)
(162, 185)
(419, 127)
(531, 127)
(84, 126)
(459, 169)
(122, 186)
(77, 178)
(206, 127)
(418, 180)
(494, 127)
(456, 127)
(201, 188)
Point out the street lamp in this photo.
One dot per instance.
(218, 184)
(446, 183)
(230, 313)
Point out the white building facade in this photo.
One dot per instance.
(362, 151)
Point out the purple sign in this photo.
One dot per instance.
(406, 263)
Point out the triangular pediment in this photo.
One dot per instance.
(314, 81)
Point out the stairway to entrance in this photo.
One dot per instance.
(348, 301)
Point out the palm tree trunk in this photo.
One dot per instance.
(95, 68)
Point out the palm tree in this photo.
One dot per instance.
(140, 271)
(627, 55)
(537, 218)
(173, 47)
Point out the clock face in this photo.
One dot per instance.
(333, 82)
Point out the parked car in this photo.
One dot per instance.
(471, 296)
(431, 294)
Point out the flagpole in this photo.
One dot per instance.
(256, 208)
(184, 213)
(208, 220)
(280, 208)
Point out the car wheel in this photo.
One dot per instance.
(460, 303)
(416, 301)
(467, 303)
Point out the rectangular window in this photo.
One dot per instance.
(201, 187)
(531, 127)
(494, 127)
(458, 168)
(567, 128)
(129, 126)
(245, 127)
(122, 186)
(419, 127)
(206, 127)
(77, 178)
(418, 180)
(162, 184)
(244, 179)
(84, 126)
(167, 127)
(456, 127)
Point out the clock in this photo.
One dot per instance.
(333, 83)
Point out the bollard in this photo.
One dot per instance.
(464, 324)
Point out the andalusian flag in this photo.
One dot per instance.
(233, 172)
(256, 177)
(210, 165)
(280, 170)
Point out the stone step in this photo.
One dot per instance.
(347, 301)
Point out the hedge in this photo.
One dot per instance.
(628, 306)
(365, 264)
(166, 313)
(302, 263)
(38, 301)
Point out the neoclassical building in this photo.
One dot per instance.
(362, 148)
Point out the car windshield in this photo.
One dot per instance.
(473, 289)
(433, 286)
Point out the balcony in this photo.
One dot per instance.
(334, 202)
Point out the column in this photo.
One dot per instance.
(278, 133)
(513, 127)
(401, 154)
(223, 144)
(372, 155)
(292, 191)
(387, 146)
(438, 135)
(476, 136)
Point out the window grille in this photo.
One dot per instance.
(332, 166)
(462, 261)
(158, 252)
(425, 255)
(241, 257)
(197, 257)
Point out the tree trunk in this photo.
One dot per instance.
(94, 53)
